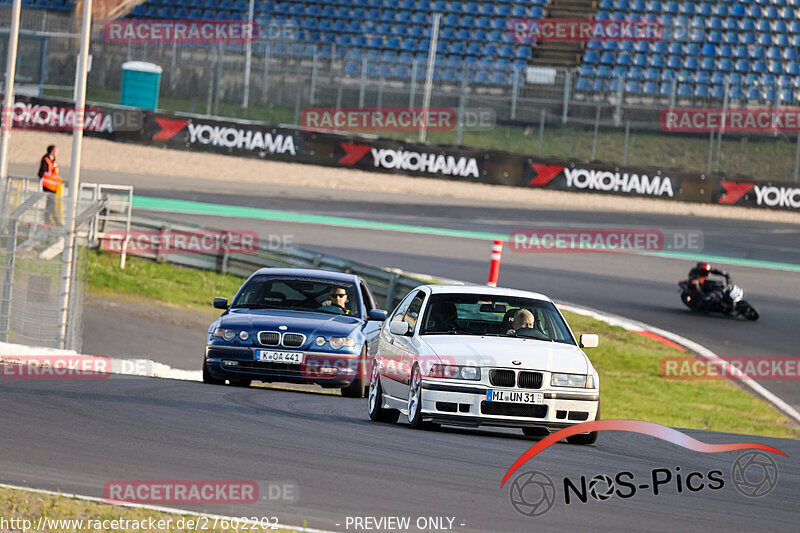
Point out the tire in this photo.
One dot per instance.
(748, 311)
(240, 382)
(376, 412)
(586, 438)
(357, 388)
(536, 432)
(209, 379)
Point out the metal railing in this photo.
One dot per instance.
(388, 285)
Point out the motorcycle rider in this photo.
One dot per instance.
(704, 290)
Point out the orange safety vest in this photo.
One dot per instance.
(51, 180)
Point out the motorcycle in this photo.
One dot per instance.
(727, 299)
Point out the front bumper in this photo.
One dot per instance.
(325, 369)
(467, 405)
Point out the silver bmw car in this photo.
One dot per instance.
(471, 356)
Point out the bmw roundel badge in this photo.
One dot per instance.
(516, 362)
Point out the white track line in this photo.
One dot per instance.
(158, 508)
(698, 349)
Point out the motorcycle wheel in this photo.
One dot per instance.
(686, 298)
(747, 311)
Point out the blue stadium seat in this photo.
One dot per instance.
(721, 10)
(709, 50)
(635, 73)
(758, 52)
(725, 51)
(776, 67)
(741, 52)
(650, 88)
(674, 61)
(742, 65)
(684, 89)
(782, 40)
(587, 71)
(633, 87)
(769, 80)
(667, 87)
(754, 11)
(688, 8)
(736, 93)
(718, 78)
(753, 93)
(583, 84)
(715, 23)
(624, 59)
(718, 92)
(701, 91)
(652, 74)
(765, 39)
(693, 49)
(708, 63)
(604, 71)
(788, 95)
(591, 56)
(668, 75)
(738, 10)
(481, 77)
(691, 63)
(657, 60)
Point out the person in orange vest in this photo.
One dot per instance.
(51, 183)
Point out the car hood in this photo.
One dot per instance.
(502, 352)
(306, 322)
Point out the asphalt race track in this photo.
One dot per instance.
(635, 286)
(80, 434)
(85, 433)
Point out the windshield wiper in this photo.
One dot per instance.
(255, 306)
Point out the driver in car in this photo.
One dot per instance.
(337, 297)
(522, 319)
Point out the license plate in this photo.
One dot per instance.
(509, 396)
(271, 356)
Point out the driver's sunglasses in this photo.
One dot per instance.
(340, 295)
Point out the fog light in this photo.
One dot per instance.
(319, 341)
(328, 370)
(244, 335)
(230, 363)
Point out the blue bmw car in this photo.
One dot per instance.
(297, 326)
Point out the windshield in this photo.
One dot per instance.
(300, 294)
(481, 314)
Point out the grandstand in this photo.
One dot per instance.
(745, 51)
(749, 47)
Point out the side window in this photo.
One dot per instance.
(369, 299)
(398, 313)
(414, 308)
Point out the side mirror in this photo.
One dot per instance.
(377, 314)
(589, 340)
(397, 327)
(220, 303)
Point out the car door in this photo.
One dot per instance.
(371, 327)
(390, 353)
(405, 346)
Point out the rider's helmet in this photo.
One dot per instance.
(703, 268)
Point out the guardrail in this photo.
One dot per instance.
(388, 285)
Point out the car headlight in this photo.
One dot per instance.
(568, 380)
(243, 335)
(471, 373)
(319, 341)
(226, 334)
(339, 342)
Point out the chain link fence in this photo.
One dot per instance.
(32, 237)
(561, 114)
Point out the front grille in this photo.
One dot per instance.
(269, 338)
(501, 378)
(529, 380)
(578, 415)
(513, 409)
(282, 369)
(293, 340)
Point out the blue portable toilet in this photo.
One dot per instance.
(140, 84)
